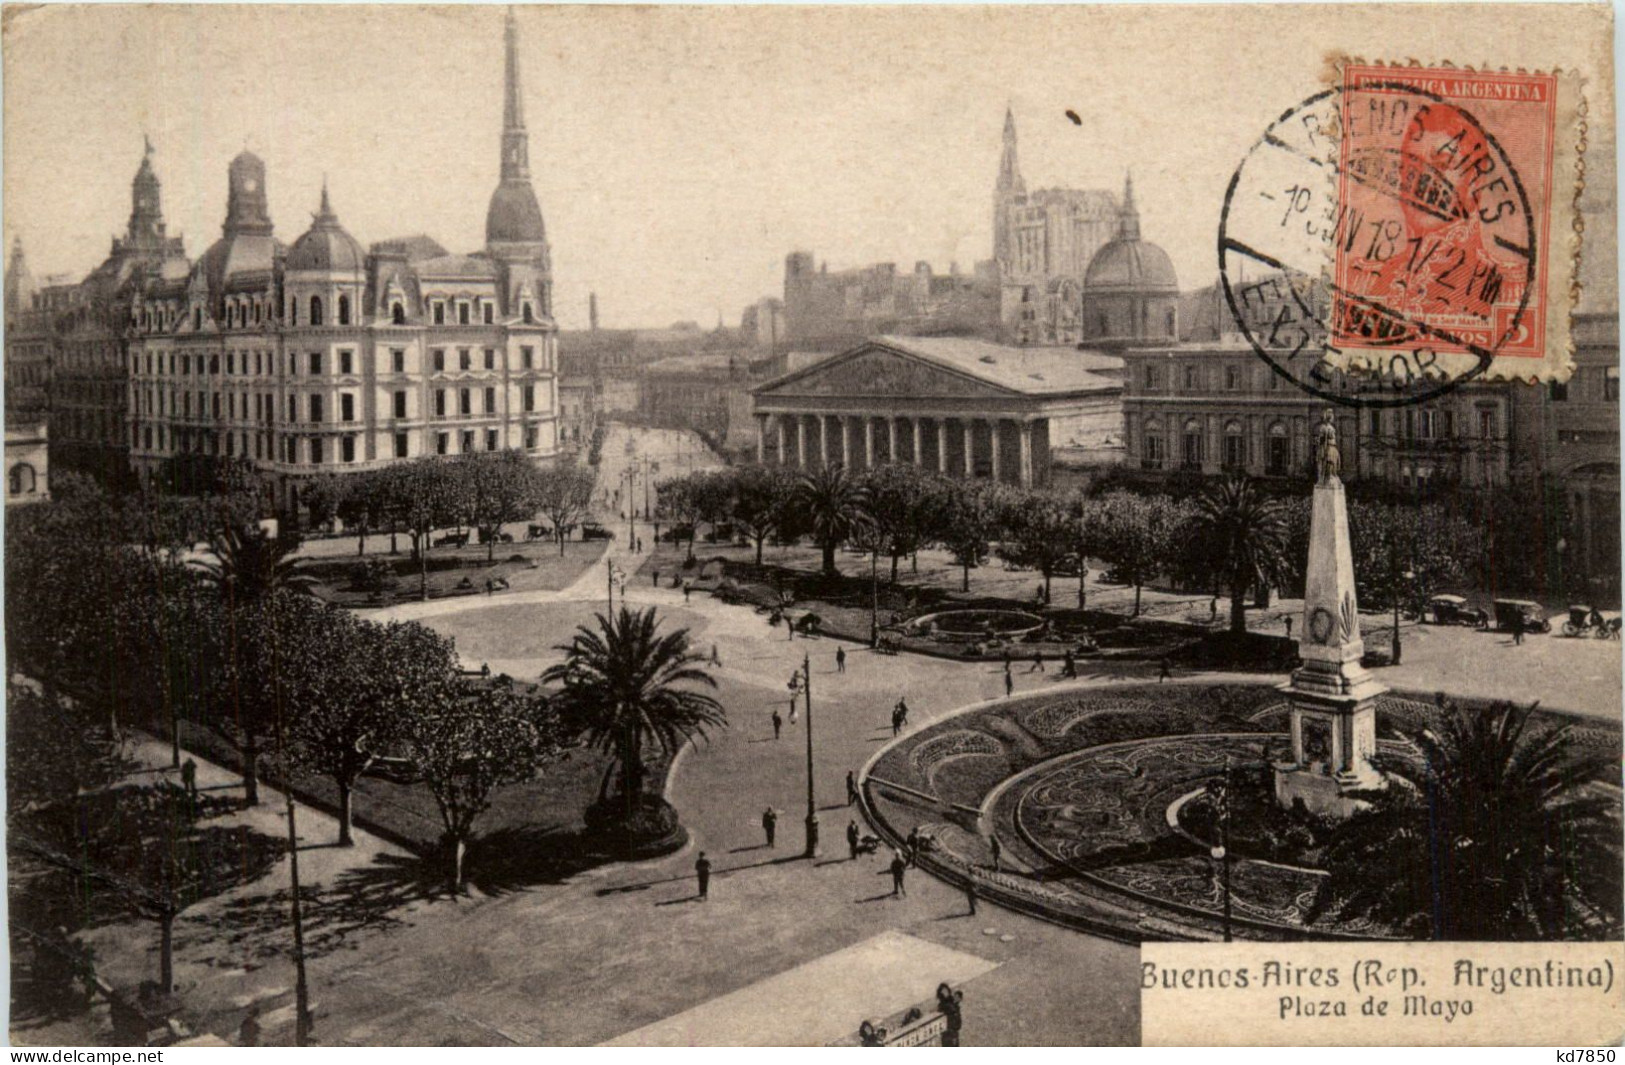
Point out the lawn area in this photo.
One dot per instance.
(534, 566)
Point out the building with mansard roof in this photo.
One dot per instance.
(319, 357)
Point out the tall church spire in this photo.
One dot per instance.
(1009, 167)
(515, 140)
(146, 211)
(1128, 215)
(514, 217)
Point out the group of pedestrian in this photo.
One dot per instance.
(899, 716)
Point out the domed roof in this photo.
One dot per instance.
(1131, 264)
(514, 216)
(325, 245)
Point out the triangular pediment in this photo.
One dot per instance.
(876, 370)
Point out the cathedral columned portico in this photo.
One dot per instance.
(957, 407)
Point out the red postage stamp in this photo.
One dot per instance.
(1454, 241)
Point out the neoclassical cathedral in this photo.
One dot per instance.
(1072, 265)
(319, 357)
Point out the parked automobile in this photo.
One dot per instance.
(678, 534)
(1454, 610)
(452, 539)
(538, 532)
(1533, 615)
(593, 531)
(498, 537)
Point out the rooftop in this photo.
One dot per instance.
(1032, 370)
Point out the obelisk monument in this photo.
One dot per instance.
(1334, 715)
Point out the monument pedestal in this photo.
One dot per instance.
(1334, 698)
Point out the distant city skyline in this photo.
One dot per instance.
(679, 153)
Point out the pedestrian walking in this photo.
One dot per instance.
(902, 710)
(702, 873)
(840, 660)
(1038, 662)
(687, 587)
(913, 848)
(770, 823)
(970, 896)
(950, 1004)
(896, 722)
(1009, 684)
(189, 779)
(1517, 629)
(1213, 609)
(998, 853)
(851, 788)
(1069, 664)
(490, 586)
(1288, 619)
(656, 580)
(778, 724)
(852, 839)
(1007, 660)
(1162, 670)
(716, 659)
(897, 868)
(640, 545)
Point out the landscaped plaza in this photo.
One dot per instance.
(1050, 812)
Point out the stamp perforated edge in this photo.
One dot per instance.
(1561, 294)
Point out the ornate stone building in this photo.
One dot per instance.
(322, 358)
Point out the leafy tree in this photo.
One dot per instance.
(760, 496)
(51, 754)
(627, 685)
(467, 741)
(423, 495)
(324, 497)
(1085, 514)
(968, 520)
(683, 502)
(502, 487)
(1243, 532)
(1499, 832)
(1137, 535)
(1039, 533)
(833, 503)
(1388, 540)
(356, 695)
(564, 494)
(904, 504)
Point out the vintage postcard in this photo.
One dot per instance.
(666, 526)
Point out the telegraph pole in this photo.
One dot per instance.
(812, 799)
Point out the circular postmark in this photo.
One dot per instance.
(1381, 229)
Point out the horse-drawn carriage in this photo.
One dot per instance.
(1589, 621)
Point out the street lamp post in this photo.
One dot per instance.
(614, 573)
(812, 800)
(1407, 577)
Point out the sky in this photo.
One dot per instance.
(680, 153)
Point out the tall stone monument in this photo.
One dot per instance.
(1334, 715)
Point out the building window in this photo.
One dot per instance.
(464, 359)
(439, 356)
(1193, 443)
(400, 404)
(344, 310)
(315, 451)
(465, 405)
(1376, 423)
(441, 443)
(1610, 384)
(315, 362)
(527, 356)
(186, 365)
(1280, 451)
(1429, 424)
(344, 362)
(397, 360)
(346, 407)
(397, 314)
(466, 442)
(1153, 378)
(439, 314)
(1232, 378)
(1151, 456)
(528, 394)
(400, 445)
(530, 438)
(315, 310)
(1235, 447)
(529, 316)
(293, 409)
(23, 479)
(1191, 378)
(490, 401)
(462, 314)
(490, 358)
(347, 448)
(490, 439)
(231, 363)
(315, 408)
(1557, 391)
(293, 450)
(440, 403)
(487, 309)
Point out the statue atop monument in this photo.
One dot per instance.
(1328, 462)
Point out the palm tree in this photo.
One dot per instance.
(1500, 831)
(834, 504)
(250, 565)
(1243, 536)
(626, 685)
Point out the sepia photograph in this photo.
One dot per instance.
(709, 526)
